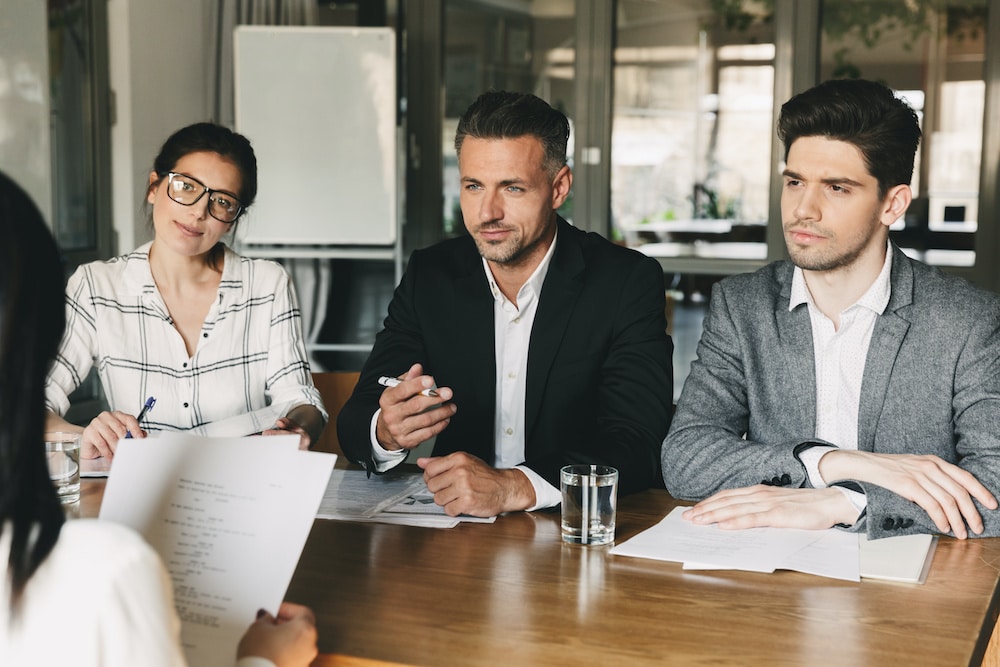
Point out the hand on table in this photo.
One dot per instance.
(101, 436)
(774, 506)
(286, 426)
(408, 418)
(942, 489)
(464, 484)
(288, 640)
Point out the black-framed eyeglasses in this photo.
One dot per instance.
(187, 190)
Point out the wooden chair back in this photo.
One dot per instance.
(335, 388)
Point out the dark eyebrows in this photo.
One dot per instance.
(503, 184)
(787, 173)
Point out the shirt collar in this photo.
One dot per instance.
(876, 298)
(533, 283)
(138, 277)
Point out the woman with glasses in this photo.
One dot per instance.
(183, 320)
(83, 592)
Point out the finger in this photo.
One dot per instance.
(950, 491)
(972, 485)
(290, 610)
(925, 497)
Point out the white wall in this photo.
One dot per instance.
(161, 56)
(24, 100)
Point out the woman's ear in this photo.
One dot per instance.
(154, 178)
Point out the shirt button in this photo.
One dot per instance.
(516, 320)
(185, 404)
(511, 376)
(204, 335)
(185, 364)
(509, 431)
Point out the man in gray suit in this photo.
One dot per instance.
(851, 386)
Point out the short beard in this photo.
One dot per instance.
(829, 263)
(507, 252)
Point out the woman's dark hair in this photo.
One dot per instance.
(864, 113)
(500, 114)
(211, 138)
(32, 319)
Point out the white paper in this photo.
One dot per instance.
(99, 467)
(400, 498)
(228, 517)
(248, 423)
(755, 549)
(902, 558)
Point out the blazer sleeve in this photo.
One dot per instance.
(708, 448)
(975, 435)
(397, 346)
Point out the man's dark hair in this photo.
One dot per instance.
(505, 115)
(864, 113)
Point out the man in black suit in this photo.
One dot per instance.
(543, 345)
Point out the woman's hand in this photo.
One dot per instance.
(288, 640)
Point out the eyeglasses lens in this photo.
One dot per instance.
(187, 191)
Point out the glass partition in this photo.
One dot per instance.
(692, 130)
(932, 52)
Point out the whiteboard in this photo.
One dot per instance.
(318, 104)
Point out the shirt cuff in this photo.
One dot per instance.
(857, 498)
(810, 460)
(384, 459)
(546, 495)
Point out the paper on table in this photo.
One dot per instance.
(755, 549)
(903, 558)
(229, 518)
(829, 553)
(248, 423)
(396, 497)
(99, 467)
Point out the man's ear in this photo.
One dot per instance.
(561, 185)
(896, 201)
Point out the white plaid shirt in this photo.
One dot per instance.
(250, 354)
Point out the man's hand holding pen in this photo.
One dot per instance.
(409, 413)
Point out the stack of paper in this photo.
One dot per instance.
(829, 553)
(228, 517)
(396, 497)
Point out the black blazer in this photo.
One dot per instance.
(599, 387)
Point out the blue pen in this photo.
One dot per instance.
(150, 402)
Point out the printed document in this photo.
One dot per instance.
(228, 517)
(828, 553)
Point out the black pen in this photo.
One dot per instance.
(387, 381)
(150, 402)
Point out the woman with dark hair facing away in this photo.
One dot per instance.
(184, 319)
(84, 592)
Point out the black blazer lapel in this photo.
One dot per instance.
(560, 293)
(473, 317)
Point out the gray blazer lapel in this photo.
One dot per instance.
(887, 337)
(795, 345)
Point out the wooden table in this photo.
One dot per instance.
(512, 593)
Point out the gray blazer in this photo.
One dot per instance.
(931, 385)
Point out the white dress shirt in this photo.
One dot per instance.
(840, 354)
(512, 334)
